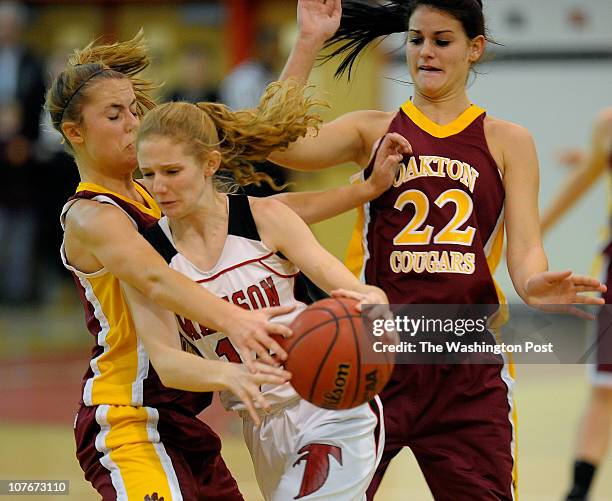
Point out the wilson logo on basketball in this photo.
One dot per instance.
(316, 470)
(333, 398)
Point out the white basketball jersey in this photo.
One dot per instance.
(247, 274)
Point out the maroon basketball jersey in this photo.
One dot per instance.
(119, 372)
(436, 235)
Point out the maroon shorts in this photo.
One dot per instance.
(141, 453)
(458, 421)
(602, 374)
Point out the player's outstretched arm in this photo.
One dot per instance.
(525, 253)
(527, 262)
(184, 371)
(282, 230)
(103, 233)
(584, 176)
(318, 20)
(315, 206)
(345, 139)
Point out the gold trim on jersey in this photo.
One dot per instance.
(354, 259)
(495, 250)
(441, 131)
(119, 371)
(515, 449)
(128, 437)
(495, 247)
(355, 255)
(151, 209)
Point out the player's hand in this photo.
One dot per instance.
(571, 157)
(251, 331)
(387, 162)
(374, 305)
(373, 296)
(318, 20)
(559, 291)
(245, 385)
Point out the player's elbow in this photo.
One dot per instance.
(163, 370)
(153, 285)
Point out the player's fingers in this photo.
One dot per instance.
(585, 280)
(260, 379)
(272, 371)
(346, 293)
(379, 311)
(259, 346)
(255, 394)
(277, 330)
(577, 312)
(586, 288)
(393, 161)
(400, 142)
(591, 285)
(275, 311)
(580, 299)
(247, 356)
(269, 342)
(246, 399)
(357, 296)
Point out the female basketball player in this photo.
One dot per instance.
(250, 251)
(135, 437)
(436, 235)
(594, 430)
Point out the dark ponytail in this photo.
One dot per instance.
(364, 21)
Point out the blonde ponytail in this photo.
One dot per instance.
(284, 114)
(68, 92)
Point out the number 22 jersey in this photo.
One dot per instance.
(436, 236)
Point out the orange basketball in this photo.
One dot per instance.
(331, 358)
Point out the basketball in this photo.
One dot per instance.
(331, 358)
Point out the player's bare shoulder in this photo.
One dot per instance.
(88, 216)
(503, 136)
(270, 216)
(266, 208)
(87, 224)
(372, 126)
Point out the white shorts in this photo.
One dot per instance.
(305, 452)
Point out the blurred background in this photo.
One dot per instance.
(551, 71)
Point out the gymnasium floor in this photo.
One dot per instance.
(36, 402)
